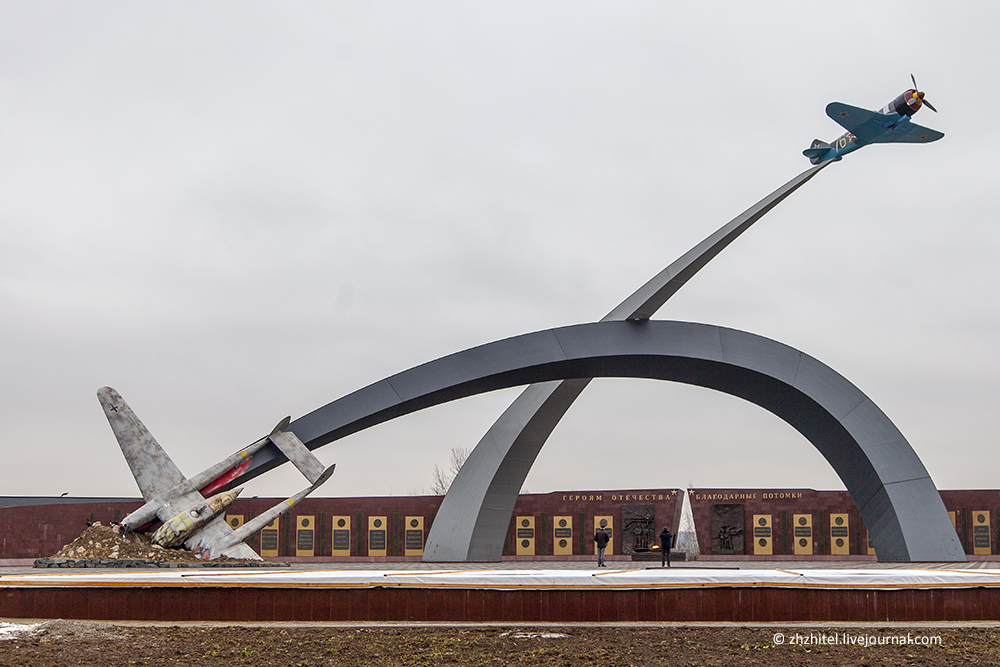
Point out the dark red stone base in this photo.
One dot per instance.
(519, 606)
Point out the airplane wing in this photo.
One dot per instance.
(865, 125)
(218, 532)
(224, 541)
(908, 133)
(154, 472)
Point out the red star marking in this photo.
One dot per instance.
(843, 114)
(923, 136)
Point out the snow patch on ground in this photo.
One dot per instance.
(15, 630)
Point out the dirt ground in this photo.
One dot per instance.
(58, 643)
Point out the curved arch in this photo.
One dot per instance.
(897, 499)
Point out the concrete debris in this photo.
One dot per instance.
(105, 546)
(150, 564)
(100, 542)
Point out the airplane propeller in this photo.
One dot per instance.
(919, 95)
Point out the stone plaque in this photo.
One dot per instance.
(608, 524)
(981, 532)
(341, 536)
(802, 534)
(269, 539)
(638, 532)
(840, 536)
(414, 536)
(377, 527)
(305, 536)
(524, 531)
(562, 535)
(762, 535)
(727, 529)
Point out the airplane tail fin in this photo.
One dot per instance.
(215, 477)
(298, 454)
(817, 149)
(154, 471)
(266, 517)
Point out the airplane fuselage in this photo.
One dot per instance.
(178, 528)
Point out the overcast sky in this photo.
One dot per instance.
(233, 212)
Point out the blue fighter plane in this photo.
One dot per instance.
(890, 124)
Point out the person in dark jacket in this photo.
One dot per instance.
(666, 541)
(601, 538)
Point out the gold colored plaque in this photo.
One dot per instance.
(269, 539)
(762, 535)
(951, 515)
(840, 535)
(802, 534)
(608, 524)
(341, 536)
(378, 535)
(524, 532)
(981, 542)
(305, 536)
(414, 533)
(234, 520)
(562, 535)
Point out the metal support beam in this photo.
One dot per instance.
(472, 521)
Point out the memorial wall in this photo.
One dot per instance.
(804, 523)
(738, 523)
(547, 525)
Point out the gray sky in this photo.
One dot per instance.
(231, 212)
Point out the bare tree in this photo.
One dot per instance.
(441, 479)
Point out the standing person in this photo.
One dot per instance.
(601, 538)
(666, 541)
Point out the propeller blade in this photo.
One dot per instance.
(914, 80)
(929, 106)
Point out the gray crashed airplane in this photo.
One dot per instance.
(189, 518)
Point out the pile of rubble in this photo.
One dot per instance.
(105, 546)
(107, 543)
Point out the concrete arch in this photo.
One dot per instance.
(896, 497)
